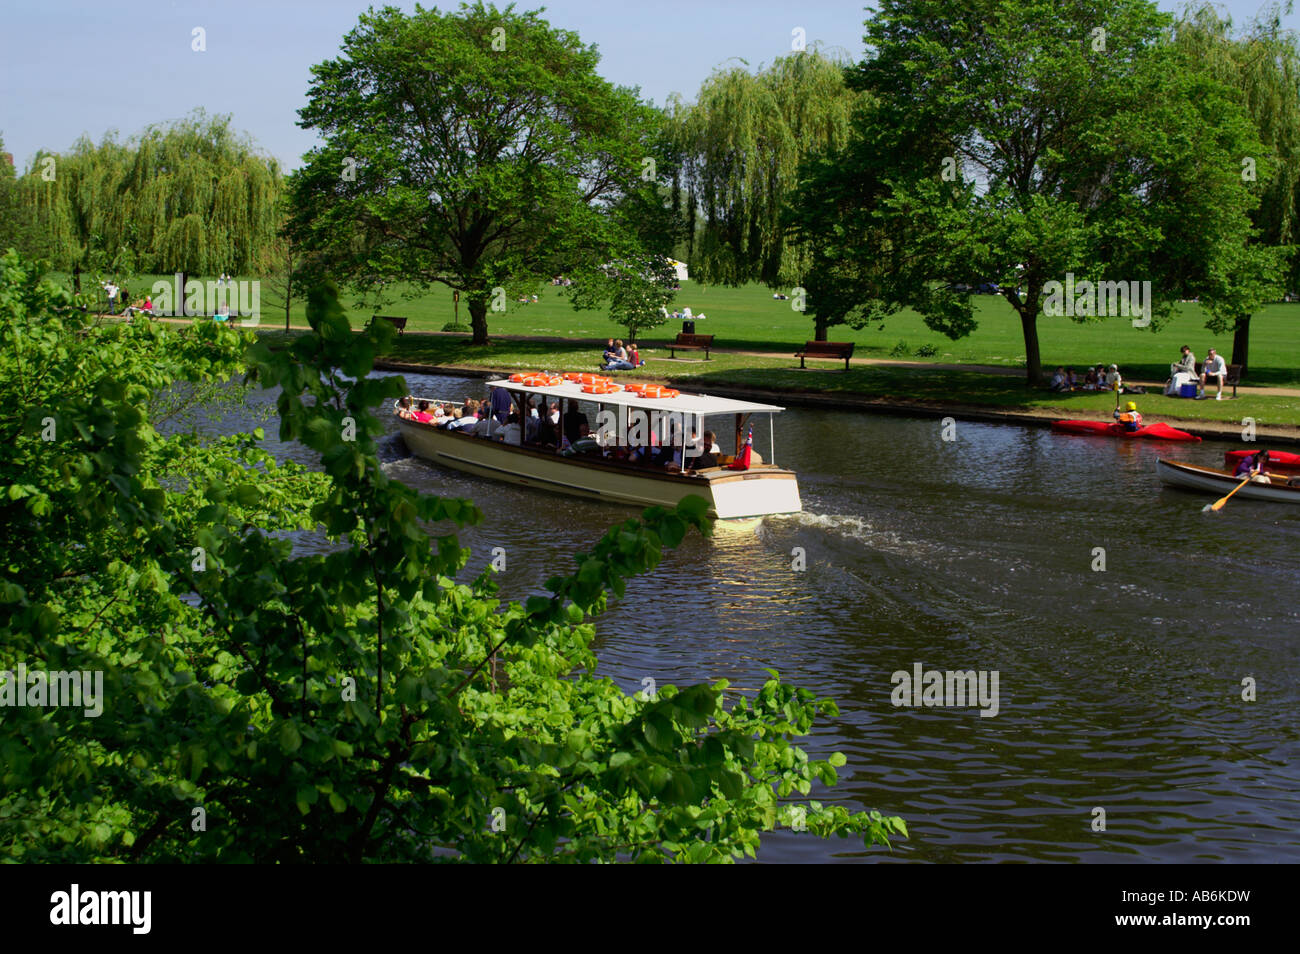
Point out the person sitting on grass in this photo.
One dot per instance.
(1092, 381)
(1058, 381)
(619, 362)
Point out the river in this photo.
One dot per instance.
(1120, 689)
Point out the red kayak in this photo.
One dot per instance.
(1277, 460)
(1154, 432)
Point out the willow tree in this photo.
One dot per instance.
(741, 144)
(1263, 64)
(70, 203)
(198, 197)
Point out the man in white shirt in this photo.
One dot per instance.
(1214, 368)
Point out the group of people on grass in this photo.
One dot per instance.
(571, 434)
(1099, 378)
(620, 358)
(1181, 372)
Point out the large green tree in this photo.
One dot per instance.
(1263, 63)
(1050, 140)
(262, 703)
(479, 149)
(739, 146)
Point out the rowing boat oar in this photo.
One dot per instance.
(1218, 504)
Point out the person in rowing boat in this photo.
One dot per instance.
(1130, 417)
(1253, 467)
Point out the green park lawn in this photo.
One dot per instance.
(748, 319)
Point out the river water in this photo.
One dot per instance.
(1120, 690)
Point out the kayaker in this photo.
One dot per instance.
(1253, 467)
(1129, 417)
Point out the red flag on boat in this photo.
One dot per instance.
(742, 462)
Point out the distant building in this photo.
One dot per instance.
(681, 269)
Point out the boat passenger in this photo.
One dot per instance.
(1254, 467)
(511, 432)
(1129, 417)
(574, 422)
(709, 457)
(422, 414)
(404, 408)
(501, 404)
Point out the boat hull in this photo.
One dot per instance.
(758, 492)
(1219, 483)
(1152, 432)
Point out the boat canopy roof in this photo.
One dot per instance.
(683, 403)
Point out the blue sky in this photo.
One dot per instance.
(69, 67)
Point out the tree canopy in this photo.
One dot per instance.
(188, 196)
(479, 150)
(1263, 64)
(1022, 143)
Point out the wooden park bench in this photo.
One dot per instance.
(687, 342)
(398, 323)
(1233, 378)
(826, 349)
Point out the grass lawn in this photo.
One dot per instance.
(748, 318)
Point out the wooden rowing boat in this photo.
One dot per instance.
(1219, 482)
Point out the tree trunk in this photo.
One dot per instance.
(76, 279)
(178, 307)
(478, 320)
(1029, 325)
(286, 310)
(1241, 343)
(819, 328)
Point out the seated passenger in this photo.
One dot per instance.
(422, 414)
(709, 457)
(511, 432)
(404, 408)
